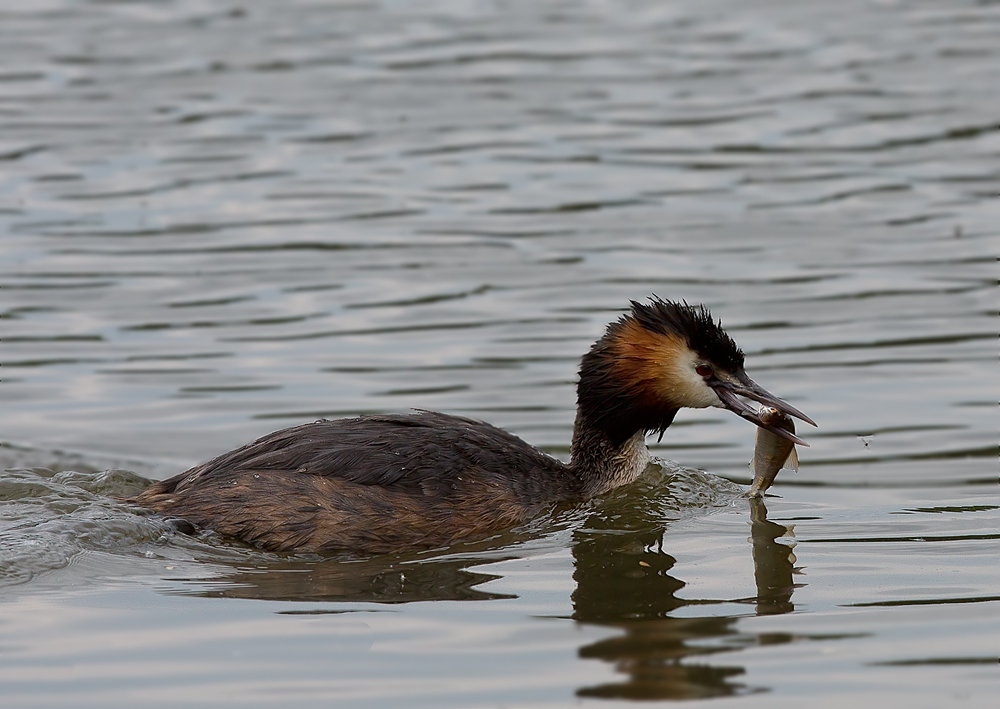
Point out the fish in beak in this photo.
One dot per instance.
(731, 387)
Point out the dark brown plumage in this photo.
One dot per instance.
(380, 483)
(372, 484)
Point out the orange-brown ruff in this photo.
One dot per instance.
(380, 483)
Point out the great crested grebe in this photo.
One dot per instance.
(381, 483)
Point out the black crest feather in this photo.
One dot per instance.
(695, 324)
(619, 406)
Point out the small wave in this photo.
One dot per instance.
(48, 518)
(664, 494)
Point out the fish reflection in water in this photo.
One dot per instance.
(773, 562)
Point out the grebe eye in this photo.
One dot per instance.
(703, 370)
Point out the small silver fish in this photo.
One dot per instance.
(771, 453)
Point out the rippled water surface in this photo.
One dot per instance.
(221, 218)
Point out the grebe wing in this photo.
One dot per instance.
(422, 451)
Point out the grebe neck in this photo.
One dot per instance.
(601, 465)
(624, 392)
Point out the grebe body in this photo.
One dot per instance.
(382, 483)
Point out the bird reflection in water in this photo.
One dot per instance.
(622, 577)
(385, 578)
(623, 581)
(362, 581)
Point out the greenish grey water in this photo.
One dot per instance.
(219, 219)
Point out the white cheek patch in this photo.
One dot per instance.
(688, 387)
(716, 401)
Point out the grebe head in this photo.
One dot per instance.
(661, 357)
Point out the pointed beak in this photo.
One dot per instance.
(742, 385)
